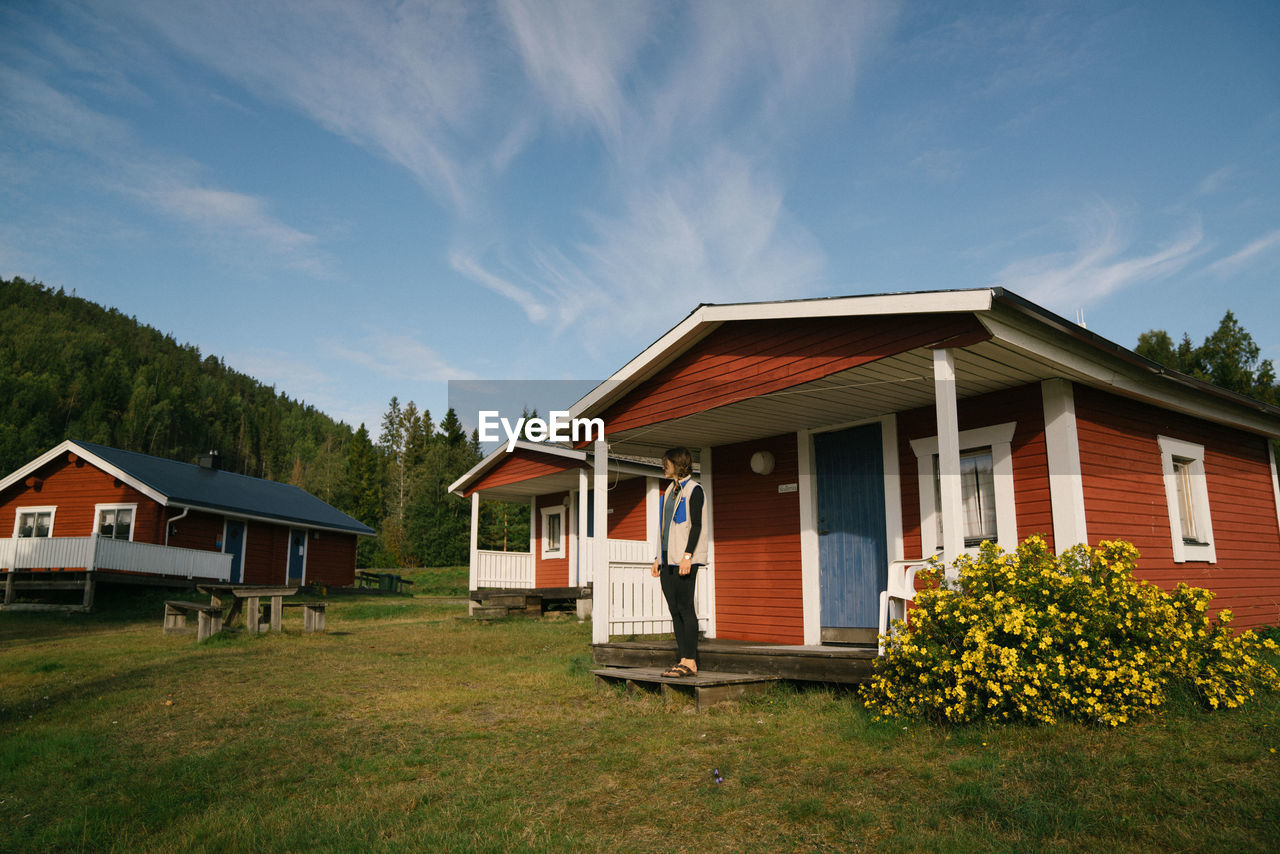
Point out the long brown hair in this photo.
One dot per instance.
(681, 460)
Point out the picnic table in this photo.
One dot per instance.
(237, 597)
(248, 598)
(389, 581)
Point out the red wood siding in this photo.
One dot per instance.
(1023, 405)
(75, 488)
(626, 500)
(197, 530)
(331, 559)
(749, 358)
(757, 544)
(552, 572)
(266, 554)
(1125, 499)
(520, 465)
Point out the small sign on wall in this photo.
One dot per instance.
(788, 487)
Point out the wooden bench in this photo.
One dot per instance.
(175, 618)
(312, 614)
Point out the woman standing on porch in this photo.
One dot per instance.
(680, 551)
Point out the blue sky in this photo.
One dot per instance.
(354, 200)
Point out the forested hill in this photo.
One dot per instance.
(70, 368)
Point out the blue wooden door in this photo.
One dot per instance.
(852, 543)
(297, 555)
(233, 544)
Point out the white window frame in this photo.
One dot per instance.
(999, 437)
(97, 514)
(1176, 449)
(17, 517)
(558, 551)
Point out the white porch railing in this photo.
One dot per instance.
(504, 569)
(635, 605)
(101, 553)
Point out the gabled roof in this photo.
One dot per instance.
(630, 465)
(175, 484)
(1025, 343)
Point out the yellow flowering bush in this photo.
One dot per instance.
(1035, 637)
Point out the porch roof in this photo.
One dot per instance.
(1025, 344)
(547, 481)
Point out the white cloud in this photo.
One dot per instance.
(400, 356)
(106, 150)
(1101, 264)
(578, 53)
(468, 266)
(401, 80)
(1239, 259)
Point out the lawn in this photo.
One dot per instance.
(407, 727)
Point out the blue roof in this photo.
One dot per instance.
(225, 492)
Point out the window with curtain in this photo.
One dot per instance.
(115, 522)
(977, 496)
(35, 523)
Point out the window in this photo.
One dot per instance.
(1187, 495)
(115, 522)
(553, 532)
(34, 522)
(977, 496)
(986, 488)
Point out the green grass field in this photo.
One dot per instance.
(406, 727)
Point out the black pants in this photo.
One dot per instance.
(678, 590)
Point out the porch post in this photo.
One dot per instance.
(944, 387)
(1066, 486)
(583, 565)
(475, 541)
(600, 545)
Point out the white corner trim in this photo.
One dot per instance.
(1000, 438)
(1062, 446)
(892, 486)
(707, 575)
(1183, 551)
(1275, 481)
(810, 557)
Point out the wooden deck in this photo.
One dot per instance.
(706, 688)
(826, 663)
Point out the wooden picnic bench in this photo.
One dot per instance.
(390, 581)
(226, 602)
(175, 618)
(312, 614)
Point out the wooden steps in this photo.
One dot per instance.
(493, 606)
(706, 689)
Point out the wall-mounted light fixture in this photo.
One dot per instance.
(762, 462)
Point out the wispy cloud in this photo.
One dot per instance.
(404, 80)
(401, 356)
(1101, 264)
(171, 186)
(1238, 260)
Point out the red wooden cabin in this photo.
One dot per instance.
(86, 506)
(842, 440)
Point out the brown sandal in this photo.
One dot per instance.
(679, 671)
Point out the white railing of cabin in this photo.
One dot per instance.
(512, 570)
(102, 553)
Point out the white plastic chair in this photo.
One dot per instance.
(901, 590)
